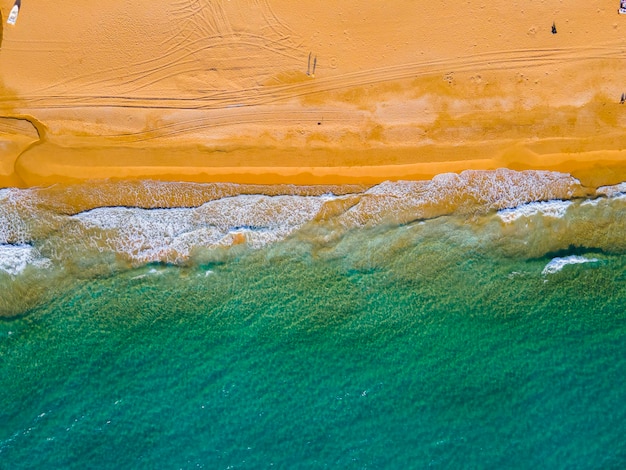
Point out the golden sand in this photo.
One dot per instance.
(280, 92)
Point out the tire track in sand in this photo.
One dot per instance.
(260, 94)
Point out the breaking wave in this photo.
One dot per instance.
(94, 229)
(554, 209)
(557, 264)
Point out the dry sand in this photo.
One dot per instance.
(276, 91)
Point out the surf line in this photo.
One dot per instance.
(14, 11)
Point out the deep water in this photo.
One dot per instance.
(432, 343)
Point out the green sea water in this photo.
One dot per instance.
(445, 342)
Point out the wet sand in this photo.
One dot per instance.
(271, 92)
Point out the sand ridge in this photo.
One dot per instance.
(272, 92)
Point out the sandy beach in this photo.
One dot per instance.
(274, 92)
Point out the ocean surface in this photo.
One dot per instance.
(472, 321)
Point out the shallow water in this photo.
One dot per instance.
(404, 326)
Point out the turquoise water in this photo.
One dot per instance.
(473, 339)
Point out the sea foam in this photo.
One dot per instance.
(14, 259)
(149, 235)
(616, 190)
(469, 192)
(15, 211)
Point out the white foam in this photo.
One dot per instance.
(467, 192)
(14, 259)
(612, 191)
(152, 272)
(170, 235)
(504, 188)
(21, 216)
(553, 209)
(556, 264)
(13, 226)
